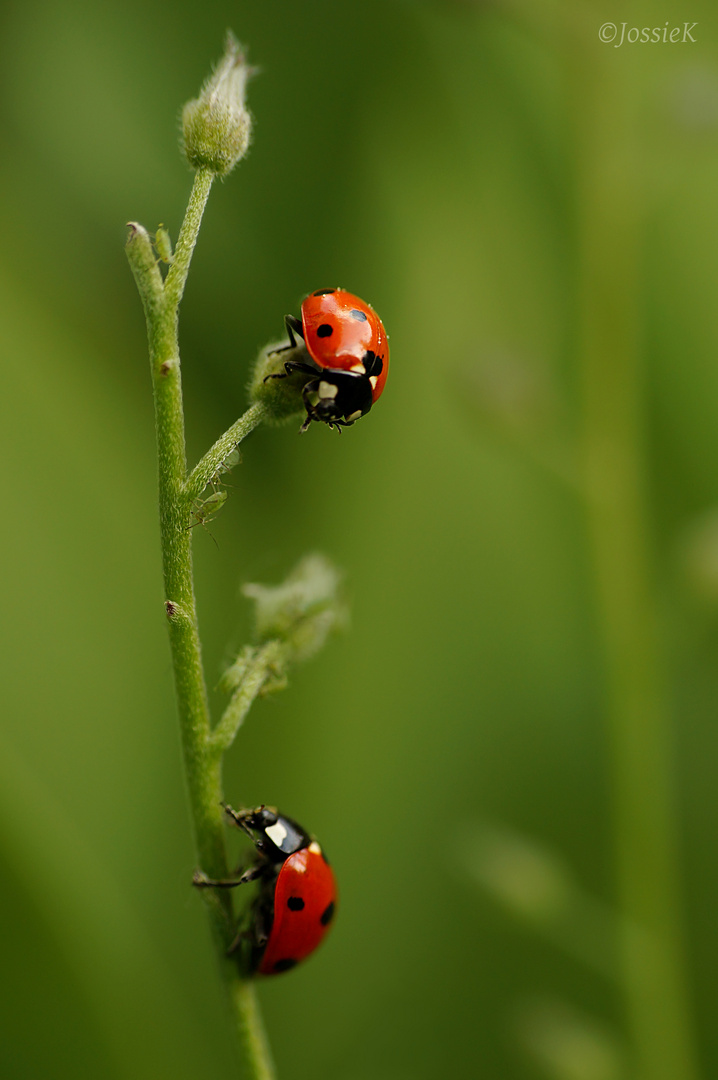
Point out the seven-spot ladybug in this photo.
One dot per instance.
(345, 351)
(297, 895)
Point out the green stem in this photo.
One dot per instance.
(614, 438)
(203, 765)
(254, 677)
(206, 468)
(177, 273)
(252, 1033)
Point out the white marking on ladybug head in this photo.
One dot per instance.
(314, 848)
(327, 390)
(373, 379)
(358, 367)
(276, 833)
(354, 416)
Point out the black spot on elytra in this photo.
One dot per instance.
(328, 914)
(295, 903)
(285, 965)
(325, 330)
(358, 315)
(374, 364)
(323, 292)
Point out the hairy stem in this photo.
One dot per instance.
(254, 678)
(206, 468)
(202, 762)
(177, 274)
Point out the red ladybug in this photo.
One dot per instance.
(345, 352)
(297, 895)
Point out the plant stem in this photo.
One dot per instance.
(203, 781)
(203, 764)
(177, 274)
(254, 677)
(206, 468)
(639, 722)
(253, 1036)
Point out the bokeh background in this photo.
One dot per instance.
(530, 549)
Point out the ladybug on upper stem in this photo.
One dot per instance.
(296, 901)
(344, 349)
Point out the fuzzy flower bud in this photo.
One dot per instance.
(302, 611)
(292, 623)
(282, 397)
(216, 126)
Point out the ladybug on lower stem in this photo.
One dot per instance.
(344, 349)
(297, 895)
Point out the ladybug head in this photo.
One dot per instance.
(274, 835)
(337, 397)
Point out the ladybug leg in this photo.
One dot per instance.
(294, 326)
(290, 366)
(308, 390)
(242, 935)
(201, 881)
(257, 933)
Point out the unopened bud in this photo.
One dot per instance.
(303, 610)
(273, 387)
(216, 126)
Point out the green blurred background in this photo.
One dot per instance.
(453, 750)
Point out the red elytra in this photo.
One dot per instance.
(304, 901)
(340, 329)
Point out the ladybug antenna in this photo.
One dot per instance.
(237, 818)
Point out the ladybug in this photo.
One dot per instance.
(296, 901)
(343, 348)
